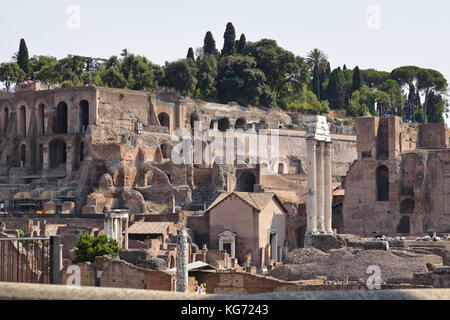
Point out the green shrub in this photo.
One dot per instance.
(88, 248)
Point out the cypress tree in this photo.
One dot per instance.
(209, 44)
(344, 67)
(190, 54)
(240, 45)
(229, 37)
(22, 57)
(334, 91)
(357, 79)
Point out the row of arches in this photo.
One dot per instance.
(223, 124)
(59, 124)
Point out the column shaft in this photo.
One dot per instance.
(311, 204)
(328, 189)
(320, 188)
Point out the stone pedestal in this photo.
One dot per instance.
(323, 242)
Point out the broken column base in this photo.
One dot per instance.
(323, 242)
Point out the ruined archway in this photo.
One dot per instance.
(165, 151)
(224, 124)
(403, 226)
(164, 120)
(300, 236)
(61, 120)
(57, 152)
(280, 168)
(407, 206)
(246, 182)
(84, 115)
(382, 178)
(194, 117)
(240, 123)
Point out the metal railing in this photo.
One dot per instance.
(31, 260)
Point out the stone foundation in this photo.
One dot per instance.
(323, 242)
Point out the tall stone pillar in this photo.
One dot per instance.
(45, 158)
(126, 232)
(328, 196)
(320, 212)
(311, 225)
(182, 262)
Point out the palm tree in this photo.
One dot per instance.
(318, 62)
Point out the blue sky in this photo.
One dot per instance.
(410, 32)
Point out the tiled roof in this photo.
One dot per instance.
(148, 227)
(257, 200)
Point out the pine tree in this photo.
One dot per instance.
(22, 57)
(357, 79)
(240, 44)
(334, 91)
(229, 37)
(344, 67)
(209, 44)
(190, 54)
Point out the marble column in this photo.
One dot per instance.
(311, 203)
(182, 262)
(126, 232)
(328, 196)
(319, 189)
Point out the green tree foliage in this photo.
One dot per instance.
(88, 248)
(240, 44)
(357, 82)
(392, 103)
(405, 76)
(206, 75)
(37, 63)
(11, 73)
(181, 75)
(429, 80)
(190, 54)
(335, 91)
(229, 38)
(436, 108)
(209, 44)
(22, 57)
(373, 78)
(362, 102)
(318, 62)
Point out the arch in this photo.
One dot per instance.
(23, 121)
(407, 206)
(57, 152)
(240, 123)
(61, 119)
(165, 150)
(382, 178)
(280, 168)
(194, 117)
(403, 226)
(164, 120)
(23, 155)
(224, 124)
(246, 182)
(84, 115)
(300, 236)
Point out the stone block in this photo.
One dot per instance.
(89, 209)
(50, 208)
(323, 242)
(68, 207)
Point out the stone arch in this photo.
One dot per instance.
(300, 236)
(382, 178)
(164, 120)
(23, 121)
(61, 118)
(57, 152)
(407, 206)
(246, 182)
(84, 115)
(166, 150)
(403, 226)
(224, 124)
(41, 117)
(240, 123)
(194, 117)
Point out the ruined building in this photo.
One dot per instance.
(400, 183)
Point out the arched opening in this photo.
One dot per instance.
(61, 118)
(403, 226)
(246, 182)
(164, 120)
(42, 118)
(382, 183)
(165, 151)
(211, 124)
(224, 124)
(41, 156)
(5, 120)
(23, 121)
(240, 123)
(81, 151)
(280, 168)
(172, 262)
(84, 115)
(300, 236)
(58, 152)
(194, 118)
(383, 139)
(22, 155)
(407, 206)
